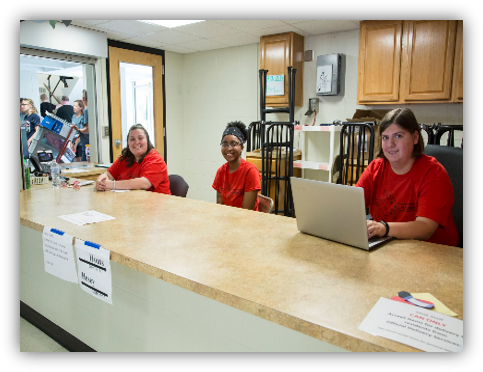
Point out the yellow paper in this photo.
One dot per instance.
(438, 305)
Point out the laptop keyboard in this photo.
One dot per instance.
(376, 239)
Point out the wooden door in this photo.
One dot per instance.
(379, 61)
(427, 60)
(116, 56)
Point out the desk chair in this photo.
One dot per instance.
(442, 129)
(265, 204)
(452, 160)
(356, 151)
(177, 185)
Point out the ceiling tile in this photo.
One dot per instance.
(240, 38)
(252, 24)
(204, 44)
(178, 49)
(131, 27)
(171, 37)
(88, 22)
(277, 30)
(327, 26)
(207, 29)
(144, 42)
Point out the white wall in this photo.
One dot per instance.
(215, 87)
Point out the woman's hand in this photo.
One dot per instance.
(101, 182)
(375, 229)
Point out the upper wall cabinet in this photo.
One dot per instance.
(410, 62)
(277, 52)
(379, 61)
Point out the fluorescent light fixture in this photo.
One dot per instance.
(171, 23)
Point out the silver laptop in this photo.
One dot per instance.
(334, 212)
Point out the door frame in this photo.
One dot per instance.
(142, 49)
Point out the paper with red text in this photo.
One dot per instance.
(414, 326)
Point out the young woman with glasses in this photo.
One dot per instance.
(237, 182)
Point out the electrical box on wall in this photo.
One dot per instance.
(328, 74)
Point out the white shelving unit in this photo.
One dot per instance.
(318, 150)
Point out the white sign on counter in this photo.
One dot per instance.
(58, 254)
(414, 326)
(94, 269)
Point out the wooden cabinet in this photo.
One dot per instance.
(379, 61)
(277, 52)
(458, 65)
(410, 62)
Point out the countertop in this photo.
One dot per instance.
(256, 262)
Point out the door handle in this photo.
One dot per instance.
(117, 142)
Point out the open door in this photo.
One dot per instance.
(136, 94)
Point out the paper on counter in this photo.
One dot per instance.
(84, 218)
(414, 326)
(58, 254)
(119, 190)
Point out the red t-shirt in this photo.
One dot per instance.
(233, 186)
(153, 168)
(424, 191)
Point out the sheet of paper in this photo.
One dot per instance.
(94, 270)
(438, 305)
(84, 218)
(275, 85)
(120, 190)
(324, 79)
(59, 254)
(414, 326)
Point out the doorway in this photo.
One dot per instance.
(50, 73)
(136, 95)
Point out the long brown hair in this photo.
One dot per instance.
(404, 118)
(127, 155)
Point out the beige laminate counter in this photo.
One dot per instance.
(85, 171)
(255, 262)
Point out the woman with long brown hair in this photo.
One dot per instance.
(140, 167)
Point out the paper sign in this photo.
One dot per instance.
(58, 254)
(84, 218)
(414, 326)
(94, 270)
(438, 305)
(275, 85)
(324, 79)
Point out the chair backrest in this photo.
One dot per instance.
(356, 151)
(442, 129)
(177, 185)
(429, 129)
(452, 160)
(265, 204)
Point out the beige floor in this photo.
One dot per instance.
(34, 340)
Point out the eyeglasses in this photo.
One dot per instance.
(24, 104)
(232, 144)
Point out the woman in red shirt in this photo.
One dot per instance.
(140, 167)
(237, 182)
(409, 194)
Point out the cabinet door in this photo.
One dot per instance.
(275, 52)
(458, 65)
(427, 60)
(379, 61)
